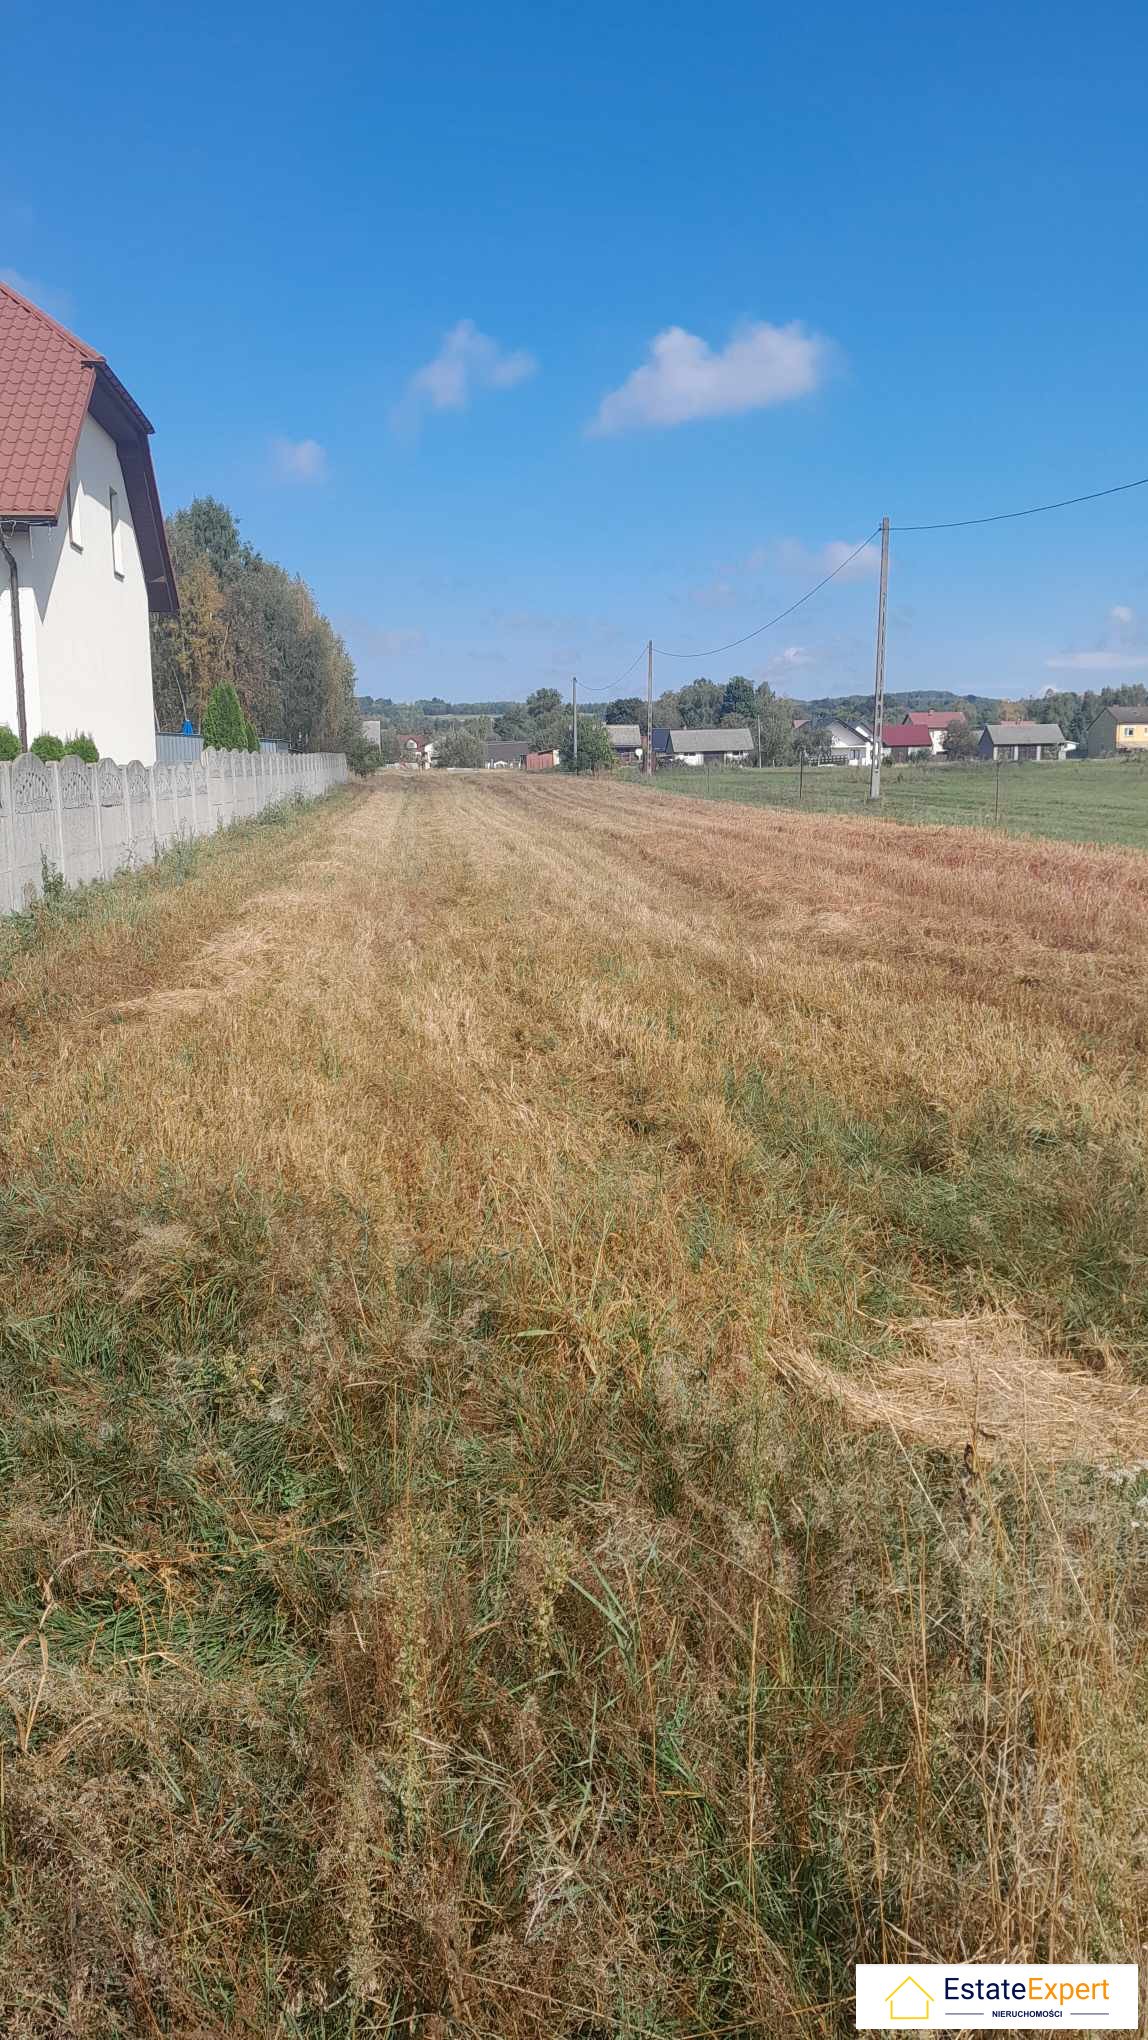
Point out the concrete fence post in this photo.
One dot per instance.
(58, 818)
(7, 842)
(129, 833)
(156, 844)
(98, 820)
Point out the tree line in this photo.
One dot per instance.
(246, 624)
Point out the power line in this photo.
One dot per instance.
(780, 618)
(1005, 516)
(611, 687)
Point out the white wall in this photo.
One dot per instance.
(87, 649)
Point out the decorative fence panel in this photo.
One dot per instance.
(81, 822)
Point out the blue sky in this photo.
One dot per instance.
(525, 333)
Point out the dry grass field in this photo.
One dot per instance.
(573, 1421)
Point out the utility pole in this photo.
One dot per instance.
(879, 677)
(648, 753)
(759, 743)
(574, 710)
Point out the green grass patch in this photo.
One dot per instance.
(1080, 801)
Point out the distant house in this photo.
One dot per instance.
(907, 740)
(371, 727)
(500, 756)
(415, 750)
(625, 741)
(702, 747)
(938, 722)
(1022, 743)
(541, 761)
(1119, 733)
(84, 562)
(850, 743)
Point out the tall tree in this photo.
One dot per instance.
(246, 622)
(463, 745)
(738, 703)
(542, 702)
(775, 722)
(189, 651)
(627, 708)
(699, 705)
(595, 752)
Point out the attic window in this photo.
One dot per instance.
(117, 535)
(75, 519)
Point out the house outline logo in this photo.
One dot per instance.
(902, 2015)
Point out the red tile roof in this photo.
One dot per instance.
(49, 381)
(934, 718)
(46, 382)
(906, 736)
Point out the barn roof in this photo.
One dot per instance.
(710, 740)
(1025, 733)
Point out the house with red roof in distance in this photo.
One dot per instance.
(84, 562)
(415, 750)
(906, 740)
(938, 722)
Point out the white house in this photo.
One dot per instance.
(702, 747)
(938, 723)
(83, 555)
(850, 743)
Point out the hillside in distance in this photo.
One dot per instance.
(978, 707)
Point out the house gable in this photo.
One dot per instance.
(49, 383)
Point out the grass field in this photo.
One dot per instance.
(573, 1421)
(1094, 801)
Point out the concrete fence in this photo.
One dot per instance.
(87, 821)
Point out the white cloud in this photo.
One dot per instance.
(467, 361)
(56, 302)
(299, 460)
(685, 379)
(788, 556)
(812, 563)
(1120, 648)
(1098, 662)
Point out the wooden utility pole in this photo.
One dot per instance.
(648, 753)
(574, 711)
(759, 743)
(879, 677)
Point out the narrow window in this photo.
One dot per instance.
(75, 520)
(117, 535)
